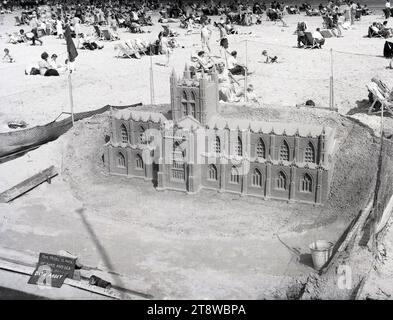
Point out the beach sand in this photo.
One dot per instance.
(103, 79)
(203, 246)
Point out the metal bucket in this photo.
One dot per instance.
(321, 250)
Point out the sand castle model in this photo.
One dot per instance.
(200, 148)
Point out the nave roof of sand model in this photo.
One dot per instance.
(221, 122)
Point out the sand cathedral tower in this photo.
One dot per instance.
(194, 97)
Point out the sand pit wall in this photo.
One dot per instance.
(357, 258)
(385, 191)
(355, 168)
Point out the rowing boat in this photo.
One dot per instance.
(17, 141)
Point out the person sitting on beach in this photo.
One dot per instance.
(385, 31)
(374, 30)
(251, 96)
(227, 91)
(204, 62)
(269, 59)
(318, 37)
(45, 67)
(56, 65)
(233, 65)
(259, 18)
(366, 11)
(7, 57)
(230, 29)
(300, 31)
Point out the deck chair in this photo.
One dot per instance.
(18, 22)
(139, 45)
(126, 52)
(311, 42)
(134, 47)
(378, 96)
(327, 22)
(106, 35)
(98, 32)
(135, 27)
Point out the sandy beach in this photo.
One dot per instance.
(193, 246)
(103, 79)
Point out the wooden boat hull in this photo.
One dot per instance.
(16, 141)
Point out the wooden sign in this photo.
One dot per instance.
(52, 270)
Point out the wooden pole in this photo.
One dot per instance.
(331, 81)
(152, 102)
(382, 107)
(71, 97)
(245, 75)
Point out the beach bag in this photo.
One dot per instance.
(310, 103)
(388, 49)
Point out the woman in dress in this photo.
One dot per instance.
(227, 91)
(59, 28)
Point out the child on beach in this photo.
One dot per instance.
(268, 58)
(251, 96)
(7, 57)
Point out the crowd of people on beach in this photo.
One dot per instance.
(104, 19)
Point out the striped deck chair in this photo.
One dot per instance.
(126, 52)
(106, 35)
(311, 42)
(18, 22)
(379, 96)
(134, 46)
(98, 32)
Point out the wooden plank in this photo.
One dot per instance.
(116, 292)
(28, 184)
(386, 215)
(358, 221)
(362, 219)
(26, 270)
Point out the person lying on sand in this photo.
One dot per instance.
(269, 59)
(7, 57)
(19, 37)
(89, 42)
